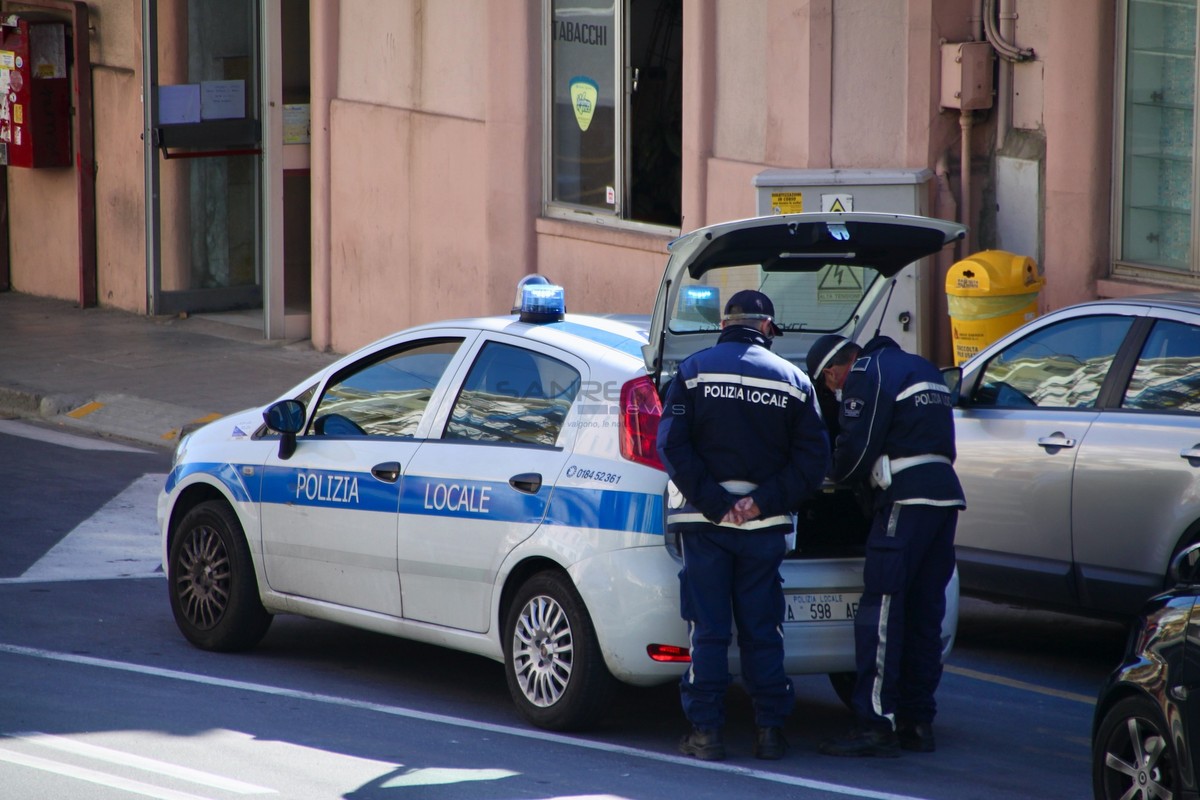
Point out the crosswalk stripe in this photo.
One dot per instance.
(121, 540)
(24, 430)
(95, 776)
(110, 756)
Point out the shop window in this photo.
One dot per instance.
(613, 87)
(1157, 164)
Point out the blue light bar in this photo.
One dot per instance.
(542, 302)
(700, 304)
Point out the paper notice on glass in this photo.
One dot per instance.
(295, 123)
(223, 100)
(179, 104)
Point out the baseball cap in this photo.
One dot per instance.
(822, 352)
(751, 305)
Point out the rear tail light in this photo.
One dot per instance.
(640, 412)
(668, 653)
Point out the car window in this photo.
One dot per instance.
(513, 395)
(823, 300)
(388, 395)
(1059, 366)
(1166, 377)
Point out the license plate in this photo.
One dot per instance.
(821, 606)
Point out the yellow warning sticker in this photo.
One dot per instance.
(787, 202)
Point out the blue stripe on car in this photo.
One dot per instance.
(605, 509)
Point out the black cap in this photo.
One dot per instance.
(751, 305)
(822, 352)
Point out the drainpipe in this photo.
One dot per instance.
(323, 18)
(966, 121)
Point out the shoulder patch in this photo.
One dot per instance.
(861, 364)
(852, 407)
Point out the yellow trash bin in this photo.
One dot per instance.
(989, 294)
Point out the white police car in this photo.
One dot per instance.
(492, 485)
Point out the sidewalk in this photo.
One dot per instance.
(136, 377)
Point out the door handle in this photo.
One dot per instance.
(1192, 454)
(388, 471)
(1055, 441)
(527, 482)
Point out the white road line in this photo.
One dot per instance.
(92, 776)
(120, 758)
(121, 540)
(27, 431)
(458, 722)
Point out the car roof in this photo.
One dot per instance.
(623, 334)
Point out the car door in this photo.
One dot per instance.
(329, 511)
(1030, 405)
(482, 484)
(1137, 476)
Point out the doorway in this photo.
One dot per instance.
(203, 155)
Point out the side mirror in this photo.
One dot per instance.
(1185, 567)
(953, 378)
(287, 418)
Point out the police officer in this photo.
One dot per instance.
(827, 363)
(743, 444)
(897, 434)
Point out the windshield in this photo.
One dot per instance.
(821, 301)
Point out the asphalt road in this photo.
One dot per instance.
(103, 698)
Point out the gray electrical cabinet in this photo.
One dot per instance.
(897, 191)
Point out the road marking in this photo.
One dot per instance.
(94, 776)
(458, 722)
(85, 409)
(1013, 683)
(120, 758)
(27, 431)
(121, 540)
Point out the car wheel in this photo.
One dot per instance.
(843, 686)
(1132, 756)
(555, 670)
(214, 594)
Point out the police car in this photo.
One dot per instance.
(492, 485)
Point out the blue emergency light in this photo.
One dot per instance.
(542, 302)
(700, 304)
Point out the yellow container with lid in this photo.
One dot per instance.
(989, 294)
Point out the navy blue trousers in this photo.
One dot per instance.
(733, 576)
(898, 628)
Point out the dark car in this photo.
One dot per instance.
(1146, 729)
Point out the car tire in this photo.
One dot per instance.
(210, 577)
(552, 660)
(843, 686)
(1133, 750)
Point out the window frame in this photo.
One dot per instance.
(1122, 267)
(553, 208)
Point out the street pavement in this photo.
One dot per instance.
(137, 377)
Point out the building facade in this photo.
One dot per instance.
(346, 168)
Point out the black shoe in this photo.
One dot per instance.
(703, 743)
(771, 745)
(916, 736)
(864, 740)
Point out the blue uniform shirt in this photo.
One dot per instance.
(895, 403)
(738, 412)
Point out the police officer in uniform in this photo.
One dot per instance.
(897, 434)
(743, 443)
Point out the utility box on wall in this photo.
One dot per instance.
(35, 94)
(901, 191)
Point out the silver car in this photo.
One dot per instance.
(1079, 450)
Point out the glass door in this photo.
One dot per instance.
(203, 153)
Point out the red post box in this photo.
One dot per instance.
(35, 122)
